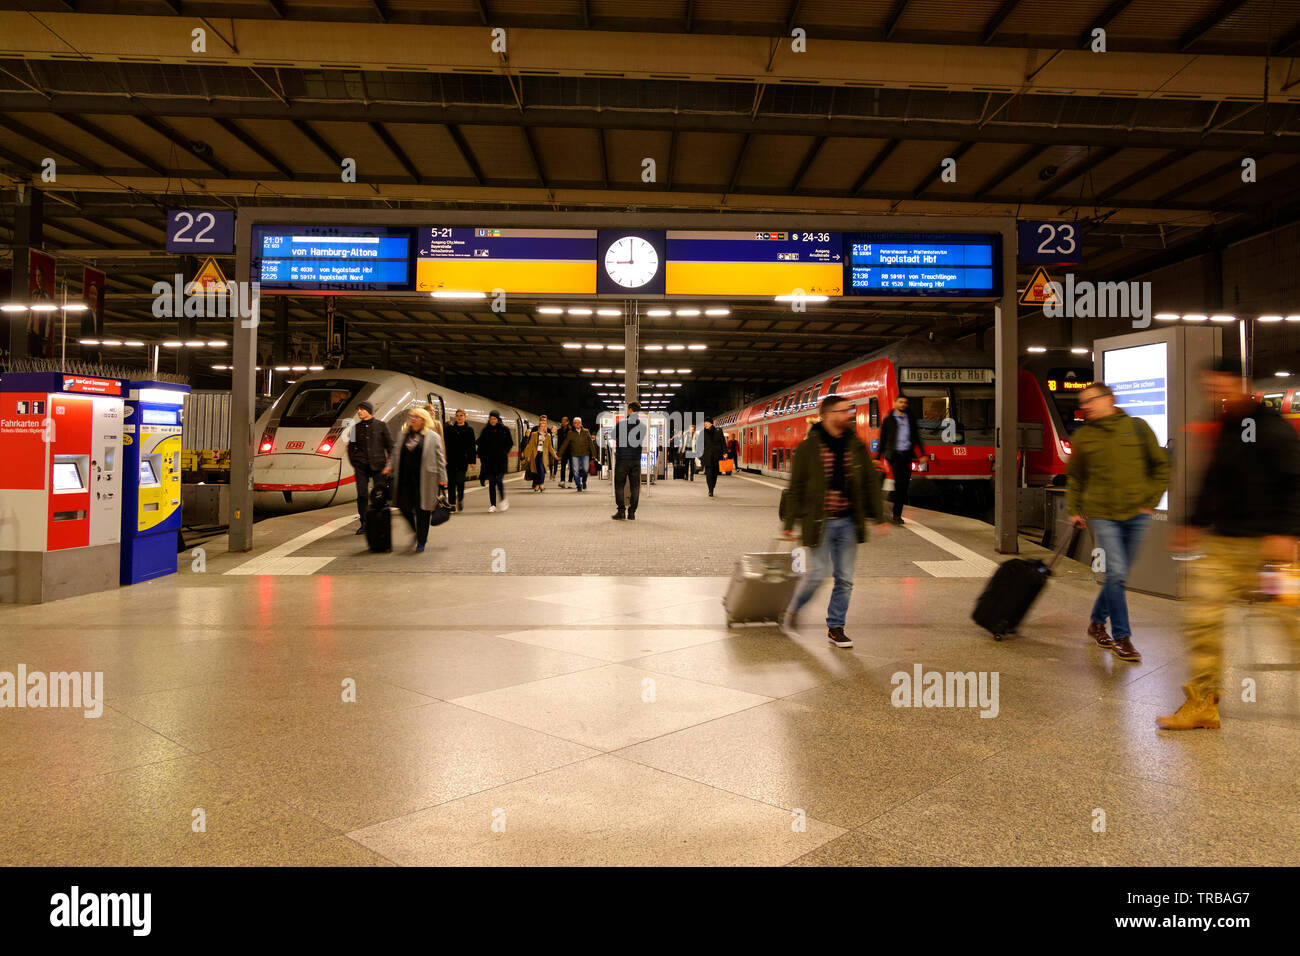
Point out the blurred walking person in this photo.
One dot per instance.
(369, 446)
(1247, 514)
(712, 449)
(578, 449)
(1117, 475)
(419, 470)
(900, 444)
(558, 438)
(494, 445)
(539, 453)
(460, 456)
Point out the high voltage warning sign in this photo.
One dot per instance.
(209, 278)
(1039, 290)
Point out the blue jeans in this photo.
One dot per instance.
(837, 554)
(578, 469)
(1119, 541)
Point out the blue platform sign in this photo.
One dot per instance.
(206, 231)
(1050, 243)
(907, 264)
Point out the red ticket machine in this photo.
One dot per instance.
(60, 485)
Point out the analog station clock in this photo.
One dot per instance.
(631, 262)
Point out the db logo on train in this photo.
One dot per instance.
(294, 446)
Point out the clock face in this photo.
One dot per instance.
(631, 262)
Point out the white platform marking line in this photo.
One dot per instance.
(968, 563)
(758, 482)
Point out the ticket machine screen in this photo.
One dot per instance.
(147, 475)
(67, 477)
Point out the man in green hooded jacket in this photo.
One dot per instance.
(1117, 474)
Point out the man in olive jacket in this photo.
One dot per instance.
(579, 448)
(833, 489)
(1117, 474)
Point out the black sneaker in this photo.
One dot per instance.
(362, 529)
(460, 506)
(618, 516)
(837, 637)
(631, 516)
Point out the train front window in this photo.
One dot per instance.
(975, 414)
(930, 405)
(319, 403)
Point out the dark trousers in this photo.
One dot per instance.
(496, 488)
(456, 490)
(690, 469)
(539, 470)
(562, 465)
(627, 471)
(418, 519)
(901, 465)
(364, 477)
(711, 475)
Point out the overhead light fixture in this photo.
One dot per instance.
(172, 344)
(683, 371)
(1282, 374)
(1035, 348)
(676, 348)
(688, 312)
(616, 348)
(650, 371)
(220, 368)
(550, 310)
(315, 368)
(1223, 318)
(217, 344)
(579, 311)
(588, 371)
(1270, 318)
(800, 298)
(44, 307)
(111, 342)
(282, 368)
(1195, 317)
(194, 344)
(573, 345)
(1079, 350)
(717, 312)
(1293, 318)
(605, 371)
(13, 307)
(298, 368)
(454, 294)
(654, 348)
(595, 346)
(674, 384)
(697, 348)
(133, 343)
(87, 341)
(659, 312)
(1167, 316)
(609, 311)
(75, 307)
(620, 371)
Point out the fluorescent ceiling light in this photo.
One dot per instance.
(298, 368)
(1079, 350)
(1167, 316)
(13, 307)
(551, 310)
(659, 312)
(1293, 318)
(588, 371)
(217, 344)
(133, 343)
(573, 345)
(683, 371)
(44, 307)
(219, 368)
(282, 368)
(111, 342)
(1035, 348)
(315, 368)
(1282, 374)
(580, 312)
(717, 312)
(593, 345)
(609, 311)
(675, 348)
(1270, 318)
(685, 312)
(697, 348)
(453, 294)
(194, 344)
(654, 348)
(604, 371)
(1195, 317)
(87, 341)
(616, 348)
(1223, 318)
(800, 298)
(75, 307)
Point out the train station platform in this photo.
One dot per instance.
(585, 703)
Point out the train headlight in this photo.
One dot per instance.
(325, 447)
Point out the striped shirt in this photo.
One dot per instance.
(837, 503)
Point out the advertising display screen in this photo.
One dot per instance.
(333, 258)
(901, 264)
(67, 477)
(531, 261)
(755, 263)
(160, 416)
(1139, 377)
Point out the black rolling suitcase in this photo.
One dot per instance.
(679, 469)
(1012, 590)
(379, 520)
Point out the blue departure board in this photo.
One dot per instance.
(902, 264)
(333, 258)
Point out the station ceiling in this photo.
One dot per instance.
(1142, 144)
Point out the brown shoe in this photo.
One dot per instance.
(1122, 647)
(1097, 631)
(1195, 712)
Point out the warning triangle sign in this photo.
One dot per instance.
(1039, 290)
(208, 279)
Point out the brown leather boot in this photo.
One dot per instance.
(1097, 631)
(1195, 712)
(1122, 647)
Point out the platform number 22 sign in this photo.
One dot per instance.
(210, 231)
(1050, 243)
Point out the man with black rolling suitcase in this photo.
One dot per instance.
(379, 520)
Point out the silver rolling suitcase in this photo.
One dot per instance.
(761, 588)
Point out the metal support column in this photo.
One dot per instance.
(243, 386)
(280, 334)
(1006, 374)
(631, 334)
(29, 216)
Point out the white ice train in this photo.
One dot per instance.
(300, 460)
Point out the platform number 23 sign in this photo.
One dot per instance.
(1050, 243)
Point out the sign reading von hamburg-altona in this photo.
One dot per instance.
(947, 376)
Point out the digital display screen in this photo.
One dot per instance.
(1139, 378)
(755, 263)
(147, 475)
(67, 477)
(159, 416)
(902, 264)
(333, 258)
(531, 261)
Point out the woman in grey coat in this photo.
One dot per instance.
(418, 465)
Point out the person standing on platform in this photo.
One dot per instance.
(900, 444)
(834, 488)
(460, 455)
(1248, 513)
(1116, 476)
(494, 445)
(733, 449)
(539, 453)
(560, 435)
(369, 446)
(578, 449)
(555, 443)
(689, 453)
(419, 471)
(713, 448)
(630, 435)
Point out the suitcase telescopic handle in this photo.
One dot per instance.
(1066, 544)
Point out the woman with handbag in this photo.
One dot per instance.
(419, 469)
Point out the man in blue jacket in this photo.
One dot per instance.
(630, 434)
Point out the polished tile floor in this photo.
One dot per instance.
(432, 717)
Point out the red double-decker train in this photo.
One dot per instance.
(951, 391)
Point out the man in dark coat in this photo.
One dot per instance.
(712, 449)
(369, 447)
(494, 444)
(460, 455)
(900, 443)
